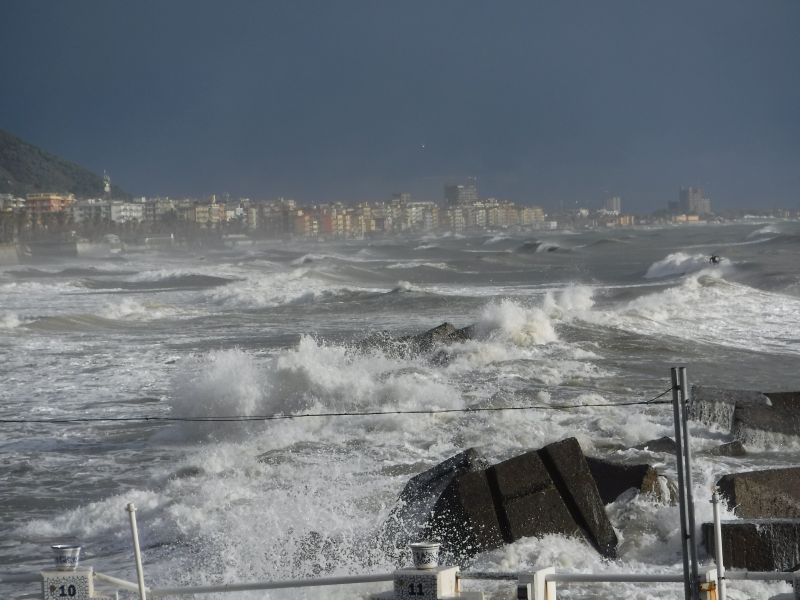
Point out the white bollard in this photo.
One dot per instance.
(542, 589)
(77, 584)
(426, 580)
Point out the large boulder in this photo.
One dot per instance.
(422, 343)
(763, 494)
(540, 492)
(663, 444)
(443, 334)
(757, 544)
(749, 416)
(734, 448)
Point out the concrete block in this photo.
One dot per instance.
(464, 518)
(763, 494)
(757, 544)
(570, 472)
(614, 478)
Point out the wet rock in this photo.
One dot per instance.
(540, 492)
(782, 416)
(757, 544)
(428, 341)
(662, 444)
(570, 472)
(613, 479)
(446, 333)
(464, 518)
(749, 416)
(734, 448)
(188, 472)
(763, 494)
(418, 497)
(530, 503)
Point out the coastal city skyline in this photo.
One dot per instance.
(546, 104)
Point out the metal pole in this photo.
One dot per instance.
(676, 414)
(687, 478)
(137, 553)
(721, 585)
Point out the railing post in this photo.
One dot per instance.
(708, 587)
(687, 478)
(721, 589)
(678, 421)
(537, 583)
(136, 551)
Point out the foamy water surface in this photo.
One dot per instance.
(585, 319)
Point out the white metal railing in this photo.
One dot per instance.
(270, 585)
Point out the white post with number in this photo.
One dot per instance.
(76, 584)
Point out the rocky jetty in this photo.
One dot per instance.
(768, 537)
(477, 508)
(749, 416)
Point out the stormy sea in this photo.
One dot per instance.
(135, 341)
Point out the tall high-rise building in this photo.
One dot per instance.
(461, 194)
(692, 200)
(614, 204)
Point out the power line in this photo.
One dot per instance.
(276, 417)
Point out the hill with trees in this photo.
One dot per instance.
(26, 169)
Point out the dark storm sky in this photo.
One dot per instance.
(545, 102)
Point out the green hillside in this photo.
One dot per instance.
(26, 169)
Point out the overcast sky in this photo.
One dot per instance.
(545, 102)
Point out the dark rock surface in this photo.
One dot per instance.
(528, 500)
(443, 334)
(464, 518)
(782, 417)
(734, 448)
(540, 492)
(418, 497)
(758, 544)
(662, 444)
(748, 415)
(615, 478)
(763, 494)
(428, 341)
(570, 472)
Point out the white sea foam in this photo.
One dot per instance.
(678, 263)
(311, 377)
(225, 502)
(9, 320)
(274, 289)
(706, 307)
(131, 309)
(519, 324)
(495, 239)
(768, 230)
(415, 264)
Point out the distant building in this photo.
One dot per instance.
(460, 195)
(127, 212)
(92, 210)
(41, 204)
(613, 205)
(691, 200)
